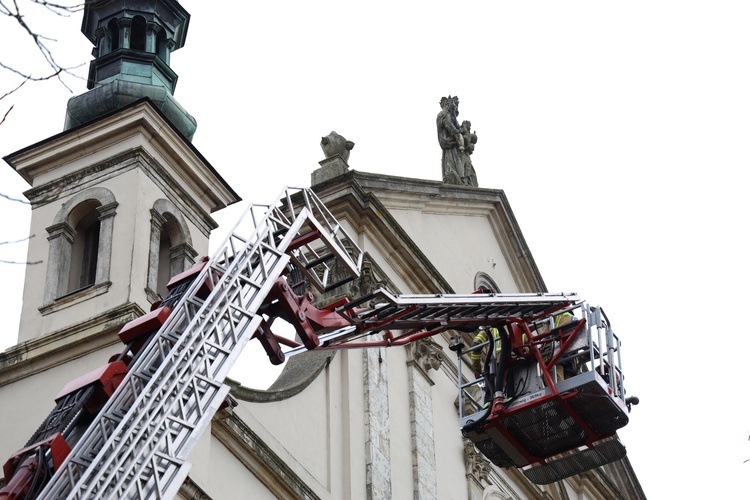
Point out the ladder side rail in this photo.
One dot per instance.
(251, 212)
(592, 328)
(149, 362)
(601, 343)
(107, 420)
(229, 253)
(464, 384)
(314, 265)
(479, 298)
(170, 385)
(398, 313)
(333, 235)
(616, 366)
(435, 310)
(221, 371)
(619, 368)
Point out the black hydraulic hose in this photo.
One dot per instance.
(489, 371)
(493, 380)
(502, 363)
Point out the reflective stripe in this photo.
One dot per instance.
(481, 338)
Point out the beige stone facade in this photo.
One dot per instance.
(355, 424)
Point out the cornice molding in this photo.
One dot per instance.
(138, 124)
(117, 165)
(57, 348)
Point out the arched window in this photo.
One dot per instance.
(483, 282)
(80, 244)
(114, 35)
(171, 250)
(85, 247)
(138, 33)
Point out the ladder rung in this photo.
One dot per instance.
(339, 283)
(319, 260)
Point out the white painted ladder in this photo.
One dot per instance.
(138, 444)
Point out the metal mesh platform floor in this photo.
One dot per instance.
(607, 451)
(541, 426)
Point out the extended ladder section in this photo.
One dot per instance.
(137, 445)
(375, 318)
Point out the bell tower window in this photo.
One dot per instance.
(84, 252)
(138, 33)
(80, 244)
(113, 35)
(171, 250)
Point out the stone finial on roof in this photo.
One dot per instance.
(335, 144)
(336, 148)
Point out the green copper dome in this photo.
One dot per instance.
(133, 42)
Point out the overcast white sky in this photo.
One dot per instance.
(618, 131)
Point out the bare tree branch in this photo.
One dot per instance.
(28, 70)
(27, 263)
(7, 113)
(14, 199)
(17, 241)
(11, 9)
(27, 77)
(13, 90)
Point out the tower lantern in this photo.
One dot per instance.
(133, 42)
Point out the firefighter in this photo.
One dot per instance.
(563, 319)
(568, 368)
(481, 338)
(493, 371)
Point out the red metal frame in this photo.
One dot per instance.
(189, 274)
(307, 320)
(564, 335)
(144, 325)
(107, 378)
(22, 467)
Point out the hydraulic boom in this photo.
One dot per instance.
(127, 429)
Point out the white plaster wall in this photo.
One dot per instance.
(90, 150)
(221, 475)
(148, 193)
(316, 439)
(300, 425)
(125, 229)
(34, 282)
(459, 246)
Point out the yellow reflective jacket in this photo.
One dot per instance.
(481, 337)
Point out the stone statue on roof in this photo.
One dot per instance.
(457, 142)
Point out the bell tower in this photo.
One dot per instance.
(121, 199)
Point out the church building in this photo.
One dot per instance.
(124, 201)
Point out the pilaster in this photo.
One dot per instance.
(425, 355)
(377, 427)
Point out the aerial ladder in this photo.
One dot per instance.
(126, 429)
